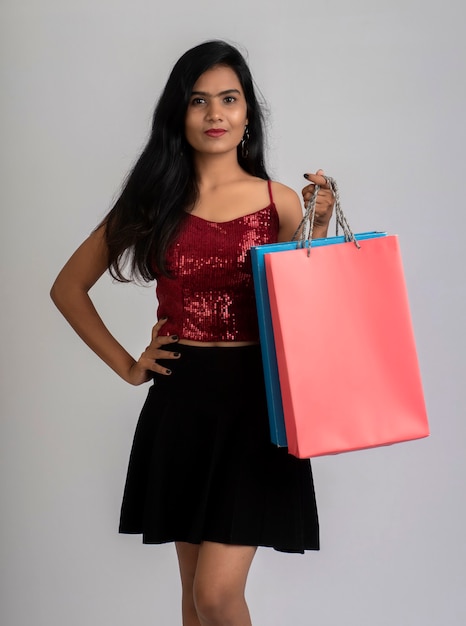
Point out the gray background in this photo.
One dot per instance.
(373, 92)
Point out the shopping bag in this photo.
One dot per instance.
(347, 361)
(269, 357)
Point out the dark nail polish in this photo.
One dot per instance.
(175, 337)
(168, 371)
(177, 354)
(163, 318)
(306, 176)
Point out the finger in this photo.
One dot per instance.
(157, 368)
(318, 178)
(156, 328)
(308, 193)
(153, 353)
(325, 195)
(154, 349)
(165, 354)
(162, 355)
(154, 361)
(163, 340)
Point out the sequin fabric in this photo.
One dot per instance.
(210, 296)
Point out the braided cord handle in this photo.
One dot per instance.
(306, 226)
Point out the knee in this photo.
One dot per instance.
(216, 605)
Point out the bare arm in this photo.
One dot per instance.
(289, 210)
(70, 294)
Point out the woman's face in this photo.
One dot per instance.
(217, 112)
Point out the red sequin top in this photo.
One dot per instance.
(210, 296)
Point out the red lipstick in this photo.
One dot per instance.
(215, 132)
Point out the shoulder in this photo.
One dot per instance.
(285, 198)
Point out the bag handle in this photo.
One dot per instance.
(309, 216)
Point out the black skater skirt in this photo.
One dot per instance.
(202, 466)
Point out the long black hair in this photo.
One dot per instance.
(162, 184)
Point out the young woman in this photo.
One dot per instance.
(202, 471)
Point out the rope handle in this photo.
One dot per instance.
(306, 225)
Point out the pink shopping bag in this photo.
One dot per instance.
(346, 353)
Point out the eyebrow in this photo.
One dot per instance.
(221, 93)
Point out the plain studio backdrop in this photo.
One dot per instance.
(374, 93)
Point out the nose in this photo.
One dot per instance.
(214, 112)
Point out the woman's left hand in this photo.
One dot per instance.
(324, 203)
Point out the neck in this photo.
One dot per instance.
(216, 169)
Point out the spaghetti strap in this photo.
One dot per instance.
(269, 184)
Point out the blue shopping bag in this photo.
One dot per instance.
(269, 358)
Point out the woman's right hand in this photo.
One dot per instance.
(142, 369)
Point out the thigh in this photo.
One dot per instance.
(222, 569)
(187, 560)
